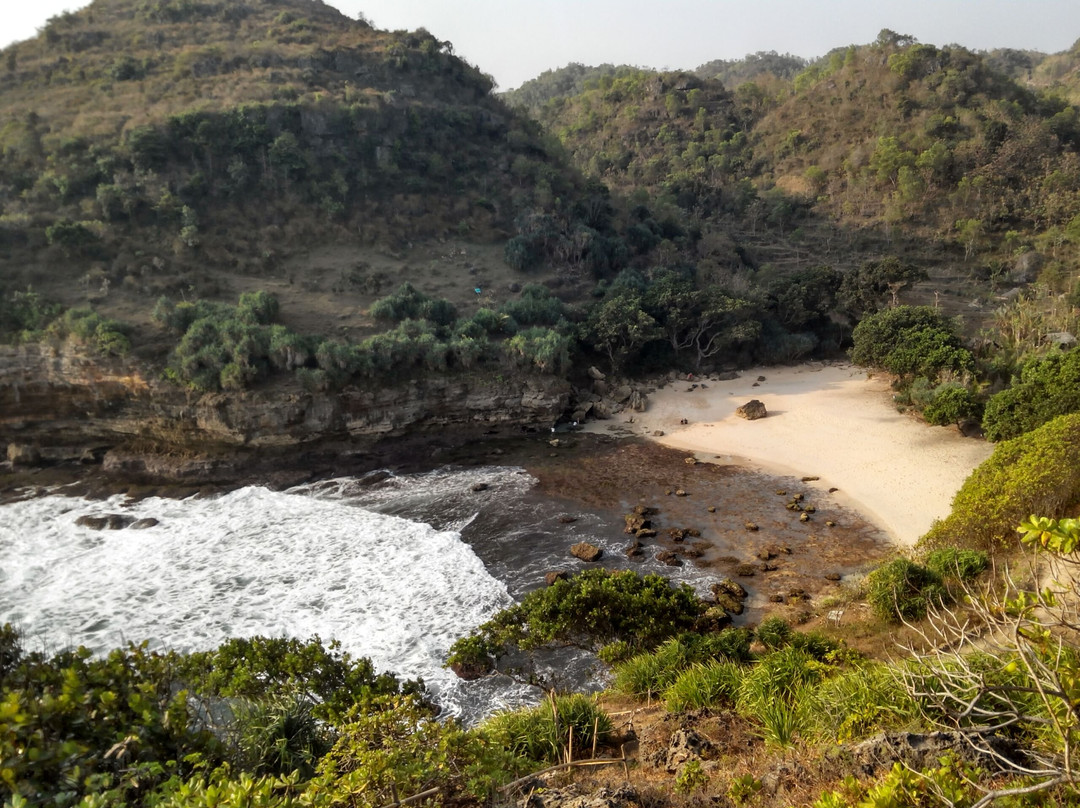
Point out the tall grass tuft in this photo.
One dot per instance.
(543, 733)
(705, 685)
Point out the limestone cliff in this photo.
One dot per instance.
(62, 403)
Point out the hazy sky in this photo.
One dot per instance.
(514, 40)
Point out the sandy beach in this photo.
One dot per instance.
(825, 420)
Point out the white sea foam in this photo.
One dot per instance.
(249, 562)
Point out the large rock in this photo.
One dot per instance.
(686, 744)
(919, 751)
(752, 410)
(595, 374)
(575, 796)
(638, 401)
(21, 454)
(586, 552)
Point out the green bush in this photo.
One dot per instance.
(952, 404)
(774, 633)
(909, 341)
(24, 315)
(902, 589)
(542, 348)
(1034, 473)
(964, 565)
(1048, 388)
(594, 608)
(537, 306)
(105, 336)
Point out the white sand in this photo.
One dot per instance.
(825, 420)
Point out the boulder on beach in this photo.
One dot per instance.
(586, 552)
(752, 410)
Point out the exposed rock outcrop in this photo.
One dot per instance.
(752, 410)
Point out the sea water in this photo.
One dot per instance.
(395, 569)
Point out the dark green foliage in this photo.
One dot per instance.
(805, 299)
(909, 341)
(964, 565)
(24, 315)
(543, 348)
(866, 289)
(260, 667)
(902, 589)
(1047, 388)
(258, 308)
(952, 404)
(105, 336)
(707, 685)
(536, 306)
(74, 238)
(74, 725)
(281, 734)
(619, 327)
(1034, 473)
(591, 609)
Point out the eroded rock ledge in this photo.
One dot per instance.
(57, 403)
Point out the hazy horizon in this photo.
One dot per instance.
(515, 41)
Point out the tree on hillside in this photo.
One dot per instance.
(619, 327)
(910, 341)
(865, 290)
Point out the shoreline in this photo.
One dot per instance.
(826, 420)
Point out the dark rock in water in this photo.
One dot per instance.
(470, 670)
(566, 519)
(669, 558)
(769, 566)
(717, 618)
(766, 554)
(142, 524)
(555, 575)
(586, 552)
(477, 487)
(744, 570)
(728, 587)
(110, 521)
(634, 550)
(374, 477)
(752, 410)
(761, 378)
(645, 533)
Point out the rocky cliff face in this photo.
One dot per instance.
(60, 403)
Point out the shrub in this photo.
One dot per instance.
(774, 633)
(964, 565)
(909, 341)
(952, 404)
(537, 306)
(592, 609)
(1034, 473)
(280, 735)
(1048, 388)
(902, 589)
(257, 308)
(542, 348)
(783, 675)
(105, 336)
